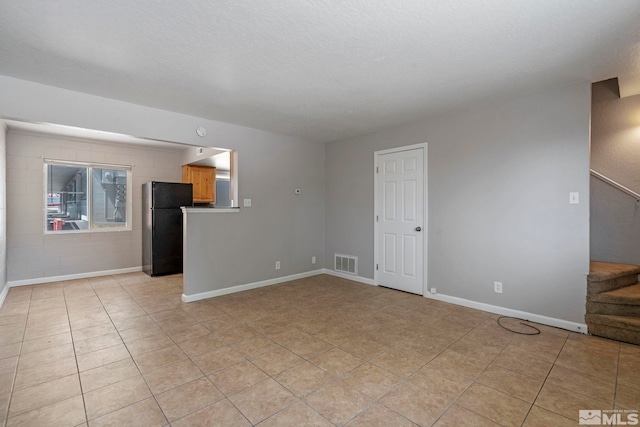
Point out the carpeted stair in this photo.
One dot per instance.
(613, 301)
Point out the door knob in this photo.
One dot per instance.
(418, 228)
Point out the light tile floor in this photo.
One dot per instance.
(124, 350)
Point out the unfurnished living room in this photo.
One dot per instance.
(298, 213)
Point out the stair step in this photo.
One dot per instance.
(607, 276)
(619, 328)
(632, 323)
(629, 295)
(599, 271)
(628, 310)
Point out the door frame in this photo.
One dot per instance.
(425, 198)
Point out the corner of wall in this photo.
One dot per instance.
(4, 287)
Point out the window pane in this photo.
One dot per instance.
(109, 198)
(66, 198)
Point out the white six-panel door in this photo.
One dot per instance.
(400, 220)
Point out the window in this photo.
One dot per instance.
(86, 197)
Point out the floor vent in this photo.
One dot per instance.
(346, 264)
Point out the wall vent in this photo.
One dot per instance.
(346, 264)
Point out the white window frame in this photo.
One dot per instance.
(127, 226)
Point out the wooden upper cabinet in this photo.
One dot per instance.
(203, 179)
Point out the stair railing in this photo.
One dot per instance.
(617, 185)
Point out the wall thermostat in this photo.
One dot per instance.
(201, 131)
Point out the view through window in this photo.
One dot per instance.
(82, 196)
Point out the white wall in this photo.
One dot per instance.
(615, 152)
(3, 214)
(269, 166)
(33, 254)
(499, 182)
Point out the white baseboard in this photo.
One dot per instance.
(538, 318)
(247, 286)
(3, 294)
(40, 280)
(532, 317)
(349, 277)
(545, 320)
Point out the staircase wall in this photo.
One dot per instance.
(615, 153)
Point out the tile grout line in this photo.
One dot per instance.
(74, 341)
(618, 344)
(304, 359)
(282, 346)
(615, 386)
(75, 356)
(545, 380)
(250, 361)
(153, 395)
(15, 373)
(474, 380)
(130, 291)
(187, 356)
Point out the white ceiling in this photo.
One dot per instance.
(318, 69)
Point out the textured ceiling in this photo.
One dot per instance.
(318, 69)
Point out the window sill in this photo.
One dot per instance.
(88, 230)
(190, 210)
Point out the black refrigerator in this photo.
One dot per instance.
(162, 226)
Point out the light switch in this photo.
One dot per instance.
(247, 203)
(574, 198)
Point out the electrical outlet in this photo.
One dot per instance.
(497, 287)
(434, 290)
(247, 203)
(313, 260)
(277, 265)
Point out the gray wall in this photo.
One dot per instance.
(3, 211)
(499, 180)
(615, 153)
(35, 255)
(241, 248)
(270, 167)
